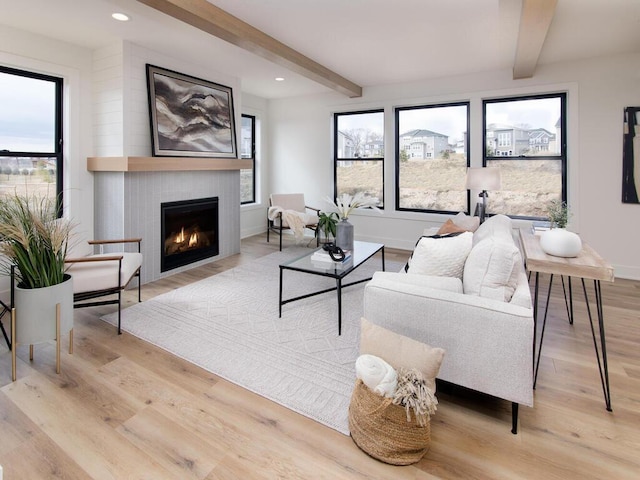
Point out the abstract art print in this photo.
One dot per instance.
(190, 117)
(631, 156)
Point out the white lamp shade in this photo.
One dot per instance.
(483, 179)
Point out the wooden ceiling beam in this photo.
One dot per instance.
(215, 21)
(535, 19)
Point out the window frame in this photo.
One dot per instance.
(397, 111)
(58, 152)
(562, 157)
(252, 158)
(336, 116)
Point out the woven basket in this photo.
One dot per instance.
(380, 428)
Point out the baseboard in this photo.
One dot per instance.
(626, 272)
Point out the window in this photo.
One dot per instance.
(432, 156)
(30, 133)
(359, 153)
(533, 160)
(248, 150)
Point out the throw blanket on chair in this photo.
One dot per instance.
(294, 219)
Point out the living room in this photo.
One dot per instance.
(295, 137)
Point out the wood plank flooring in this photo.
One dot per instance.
(122, 408)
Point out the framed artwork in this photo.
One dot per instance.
(631, 156)
(190, 117)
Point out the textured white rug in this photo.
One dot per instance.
(229, 325)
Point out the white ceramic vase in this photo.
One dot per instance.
(560, 242)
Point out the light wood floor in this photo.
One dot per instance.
(122, 408)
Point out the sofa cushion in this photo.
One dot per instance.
(440, 255)
(469, 223)
(495, 226)
(400, 351)
(450, 227)
(492, 269)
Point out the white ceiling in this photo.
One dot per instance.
(370, 42)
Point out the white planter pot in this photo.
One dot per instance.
(560, 242)
(36, 312)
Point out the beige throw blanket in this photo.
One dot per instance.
(294, 219)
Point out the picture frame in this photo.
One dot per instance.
(190, 117)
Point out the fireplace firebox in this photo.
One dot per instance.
(189, 232)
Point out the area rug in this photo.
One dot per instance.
(228, 324)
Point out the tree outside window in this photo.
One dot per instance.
(359, 153)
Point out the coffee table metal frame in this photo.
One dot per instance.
(362, 252)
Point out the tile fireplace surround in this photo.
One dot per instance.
(127, 204)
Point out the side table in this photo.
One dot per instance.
(588, 265)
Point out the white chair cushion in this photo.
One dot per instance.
(96, 276)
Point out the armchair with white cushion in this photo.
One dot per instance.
(104, 274)
(288, 211)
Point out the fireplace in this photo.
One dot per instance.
(189, 232)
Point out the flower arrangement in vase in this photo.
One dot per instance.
(344, 205)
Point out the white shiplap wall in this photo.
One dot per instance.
(128, 204)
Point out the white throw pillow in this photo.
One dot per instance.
(440, 255)
(467, 222)
(497, 225)
(492, 269)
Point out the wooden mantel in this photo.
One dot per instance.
(164, 164)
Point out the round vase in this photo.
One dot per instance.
(36, 311)
(344, 234)
(560, 242)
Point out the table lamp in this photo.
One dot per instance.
(484, 179)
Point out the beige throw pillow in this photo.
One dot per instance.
(400, 351)
(450, 227)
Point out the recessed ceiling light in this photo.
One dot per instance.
(120, 16)
(279, 79)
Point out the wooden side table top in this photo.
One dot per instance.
(588, 264)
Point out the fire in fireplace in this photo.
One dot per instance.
(189, 232)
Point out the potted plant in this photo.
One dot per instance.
(34, 246)
(344, 205)
(558, 241)
(327, 225)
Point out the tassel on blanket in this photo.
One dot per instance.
(413, 394)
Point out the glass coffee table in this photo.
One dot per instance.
(362, 251)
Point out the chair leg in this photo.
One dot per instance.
(139, 285)
(119, 311)
(280, 234)
(268, 228)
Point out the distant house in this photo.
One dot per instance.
(345, 146)
(374, 148)
(541, 140)
(507, 140)
(424, 144)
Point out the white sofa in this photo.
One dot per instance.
(484, 320)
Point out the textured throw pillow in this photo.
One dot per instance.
(440, 255)
(497, 225)
(450, 227)
(400, 351)
(470, 224)
(492, 269)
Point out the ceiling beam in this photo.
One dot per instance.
(215, 21)
(535, 20)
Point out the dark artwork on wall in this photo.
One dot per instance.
(190, 117)
(631, 156)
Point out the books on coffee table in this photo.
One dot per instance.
(322, 256)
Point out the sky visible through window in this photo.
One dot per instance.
(27, 114)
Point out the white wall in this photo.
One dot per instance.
(31, 52)
(300, 141)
